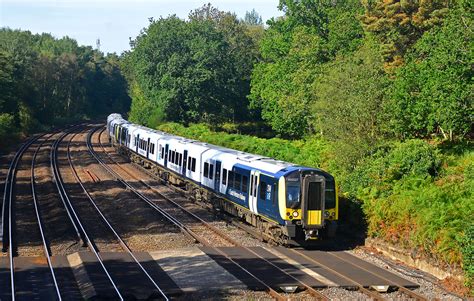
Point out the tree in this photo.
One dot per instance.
(434, 91)
(46, 81)
(253, 18)
(350, 100)
(293, 50)
(195, 70)
(399, 24)
(7, 86)
(183, 69)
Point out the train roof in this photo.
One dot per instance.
(256, 161)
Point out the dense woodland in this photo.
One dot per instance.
(46, 81)
(380, 93)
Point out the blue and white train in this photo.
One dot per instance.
(287, 203)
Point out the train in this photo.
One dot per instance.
(286, 203)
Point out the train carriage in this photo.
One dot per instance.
(286, 202)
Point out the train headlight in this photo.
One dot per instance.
(295, 213)
(326, 214)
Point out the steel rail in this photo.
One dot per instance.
(58, 181)
(311, 290)
(82, 229)
(8, 193)
(401, 288)
(104, 219)
(47, 252)
(360, 287)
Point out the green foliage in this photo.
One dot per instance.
(7, 128)
(377, 174)
(309, 152)
(196, 70)
(293, 50)
(467, 243)
(434, 91)
(410, 200)
(350, 96)
(253, 18)
(48, 81)
(398, 24)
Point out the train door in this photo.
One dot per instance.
(254, 182)
(185, 162)
(217, 179)
(313, 201)
(148, 148)
(167, 146)
(265, 196)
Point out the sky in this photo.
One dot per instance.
(111, 21)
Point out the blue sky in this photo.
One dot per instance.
(113, 21)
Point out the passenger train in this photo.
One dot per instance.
(287, 203)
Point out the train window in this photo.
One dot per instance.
(194, 165)
(162, 152)
(293, 191)
(211, 171)
(263, 190)
(251, 184)
(169, 156)
(237, 180)
(245, 180)
(189, 163)
(175, 157)
(224, 176)
(206, 169)
(172, 157)
(255, 179)
(180, 159)
(330, 195)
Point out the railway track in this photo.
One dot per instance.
(43, 279)
(110, 269)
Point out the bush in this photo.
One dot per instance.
(310, 152)
(410, 201)
(467, 243)
(6, 124)
(377, 173)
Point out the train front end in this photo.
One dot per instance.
(308, 204)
